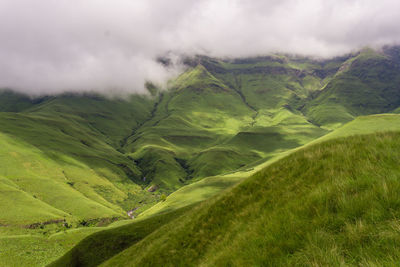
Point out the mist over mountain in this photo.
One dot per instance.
(199, 133)
(50, 47)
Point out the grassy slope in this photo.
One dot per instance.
(49, 154)
(217, 114)
(38, 248)
(37, 175)
(113, 119)
(365, 125)
(274, 92)
(329, 204)
(100, 246)
(68, 144)
(211, 186)
(14, 102)
(196, 114)
(59, 161)
(366, 84)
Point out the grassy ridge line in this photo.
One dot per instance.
(206, 188)
(333, 203)
(211, 186)
(365, 125)
(366, 84)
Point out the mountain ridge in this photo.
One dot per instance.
(219, 116)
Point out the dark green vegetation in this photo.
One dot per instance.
(72, 161)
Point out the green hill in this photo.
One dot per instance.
(58, 157)
(238, 113)
(333, 203)
(211, 186)
(79, 160)
(365, 84)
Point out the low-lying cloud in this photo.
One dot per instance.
(49, 47)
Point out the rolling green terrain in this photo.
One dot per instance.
(210, 186)
(61, 160)
(366, 84)
(335, 203)
(73, 164)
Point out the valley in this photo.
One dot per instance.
(233, 150)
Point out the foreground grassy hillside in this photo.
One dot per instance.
(333, 203)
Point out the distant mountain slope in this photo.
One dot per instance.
(113, 119)
(243, 110)
(366, 84)
(16, 102)
(213, 112)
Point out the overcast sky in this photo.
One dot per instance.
(51, 46)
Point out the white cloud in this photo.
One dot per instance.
(52, 46)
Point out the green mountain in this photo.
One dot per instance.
(365, 84)
(73, 161)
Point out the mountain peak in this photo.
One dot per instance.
(199, 79)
